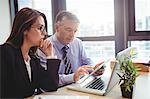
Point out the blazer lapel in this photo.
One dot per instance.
(22, 67)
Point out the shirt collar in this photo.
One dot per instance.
(58, 43)
(28, 61)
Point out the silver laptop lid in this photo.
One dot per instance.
(114, 79)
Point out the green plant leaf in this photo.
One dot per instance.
(128, 72)
(128, 88)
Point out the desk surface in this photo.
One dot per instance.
(141, 90)
(142, 87)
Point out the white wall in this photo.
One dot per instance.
(5, 26)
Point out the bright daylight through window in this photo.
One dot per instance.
(41, 5)
(96, 19)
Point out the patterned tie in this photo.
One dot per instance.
(68, 69)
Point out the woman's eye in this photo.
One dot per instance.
(40, 28)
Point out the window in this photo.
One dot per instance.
(103, 36)
(142, 15)
(96, 22)
(139, 34)
(40, 5)
(139, 19)
(96, 16)
(99, 50)
(143, 49)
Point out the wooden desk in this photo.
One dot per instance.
(141, 91)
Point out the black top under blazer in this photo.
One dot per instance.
(15, 82)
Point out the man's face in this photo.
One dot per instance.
(66, 30)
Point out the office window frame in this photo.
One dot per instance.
(93, 38)
(124, 18)
(133, 34)
(13, 6)
(58, 5)
(98, 38)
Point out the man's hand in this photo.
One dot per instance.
(83, 70)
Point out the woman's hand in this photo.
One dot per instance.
(47, 47)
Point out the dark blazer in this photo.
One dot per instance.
(15, 82)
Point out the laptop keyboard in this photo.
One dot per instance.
(96, 84)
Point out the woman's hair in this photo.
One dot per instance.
(23, 21)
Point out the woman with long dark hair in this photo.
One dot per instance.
(21, 73)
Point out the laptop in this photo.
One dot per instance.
(100, 84)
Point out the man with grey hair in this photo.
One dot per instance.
(69, 49)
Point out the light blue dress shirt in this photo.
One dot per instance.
(75, 53)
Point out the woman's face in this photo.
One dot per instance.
(36, 33)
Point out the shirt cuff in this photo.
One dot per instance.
(66, 79)
(69, 78)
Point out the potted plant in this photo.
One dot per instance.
(128, 74)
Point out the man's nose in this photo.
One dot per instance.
(73, 33)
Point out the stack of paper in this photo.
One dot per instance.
(60, 97)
